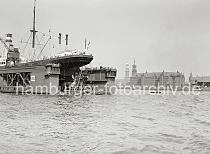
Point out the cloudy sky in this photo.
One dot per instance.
(161, 35)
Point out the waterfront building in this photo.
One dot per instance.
(166, 79)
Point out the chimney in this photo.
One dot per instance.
(67, 39)
(59, 38)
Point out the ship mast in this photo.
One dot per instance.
(33, 31)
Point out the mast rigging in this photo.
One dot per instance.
(33, 31)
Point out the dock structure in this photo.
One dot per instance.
(103, 78)
(47, 75)
(200, 81)
(38, 76)
(52, 75)
(102, 74)
(43, 76)
(36, 79)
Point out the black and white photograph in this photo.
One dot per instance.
(104, 77)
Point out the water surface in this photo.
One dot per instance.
(105, 124)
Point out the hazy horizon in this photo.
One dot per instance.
(159, 34)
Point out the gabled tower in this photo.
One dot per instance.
(134, 69)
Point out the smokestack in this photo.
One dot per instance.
(67, 39)
(59, 38)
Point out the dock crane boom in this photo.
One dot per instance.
(4, 43)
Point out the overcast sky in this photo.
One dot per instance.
(161, 35)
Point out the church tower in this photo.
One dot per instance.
(134, 69)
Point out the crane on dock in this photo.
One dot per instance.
(4, 43)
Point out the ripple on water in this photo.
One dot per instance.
(105, 124)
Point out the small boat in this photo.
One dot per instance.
(155, 92)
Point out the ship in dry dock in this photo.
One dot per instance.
(55, 74)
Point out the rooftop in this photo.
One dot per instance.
(151, 74)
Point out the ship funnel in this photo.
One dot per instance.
(59, 38)
(67, 39)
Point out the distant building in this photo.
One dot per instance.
(166, 79)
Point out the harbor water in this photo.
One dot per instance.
(118, 124)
